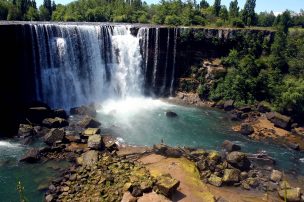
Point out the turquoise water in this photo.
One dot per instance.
(143, 122)
(139, 122)
(34, 177)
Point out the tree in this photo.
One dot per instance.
(14, 13)
(284, 21)
(234, 9)
(248, 15)
(44, 14)
(266, 19)
(3, 10)
(32, 14)
(204, 4)
(224, 13)
(217, 7)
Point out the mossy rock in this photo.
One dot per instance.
(167, 185)
(215, 180)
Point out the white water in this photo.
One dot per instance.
(5, 144)
(81, 64)
(156, 52)
(174, 60)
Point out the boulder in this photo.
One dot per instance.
(294, 146)
(37, 114)
(167, 185)
(54, 135)
(95, 142)
(26, 130)
(276, 176)
(89, 122)
(31, 156)
(88, 158)
(231, 176)
(165, 150)
(91, 131)
(153, 197)
(215, 180)
(111, 146)
(55, 122)
(49, 198)
(83, 110)
(263, 107)
(214, 156)
(292, 195)
(246, 129)
(261, 159)
(298, 131)
(230, 146)
(170, 114)
(229, 105)
(279, 120)
(238, 160)
(61, 113)
(245, 109)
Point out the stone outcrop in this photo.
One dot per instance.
(279, 120)
(238, 160)
(56, 122)
(54, 135)
(167, 185)
(246, 129)
(230, 146)
(89, 122)
(95, 142)
(31, 156)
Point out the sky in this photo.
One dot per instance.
(261, 5)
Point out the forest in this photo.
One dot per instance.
(168, 12)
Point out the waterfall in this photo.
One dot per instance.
(173, 64)
(143, 35)
(166, 62)
(79, 64)
(156, 52)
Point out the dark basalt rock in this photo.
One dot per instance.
(38, 114)
(31, 156)
(83, 110)
(165, 150)
(279, 120)
(246, 129)
(55, 122)
(263, 108)
(54, 135)
(89, 122)
(230, 146)
(170, 114)
(229, 105)
(238, 160)
(61, 113)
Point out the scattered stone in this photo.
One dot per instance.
(215, 180)
(284, 185)
(165, 150)
(214, 156)
(246, 129)
(231, 176)
(89, 122)
(238, 160)
(245, 109)
(91, 131)
(170, 114)
(252, 182)
(55, 122)
(83, 110)
(136, 192)
(127, 197)
(167, 185)
(292, 195)
(261, 159)
(31, 156)
(111, 146)
(279, 120)
(230, 146)
(153, 197)
(54, 135)
(95, 142)
(229, 105)
(73, 138)
(276, 176)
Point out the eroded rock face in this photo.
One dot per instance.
(54, 135)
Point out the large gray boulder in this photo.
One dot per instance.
(55, 122)
(95, 142)
(238, 160)
(89, 122)
(31, 156)
(54, 135)
(246, 129)
(231, 176)
(279, 120)
(230, 146)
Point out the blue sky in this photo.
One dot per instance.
(262, 5)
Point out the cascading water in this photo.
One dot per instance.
(174, 61)
(156, 53)
(81, 64)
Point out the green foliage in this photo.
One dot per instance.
(237, 22)
(248, 14)
(234, 9)
(266, 19)
(224, 13)
(217, 7)
(295, 53)
(32, 14)
(204, 4)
